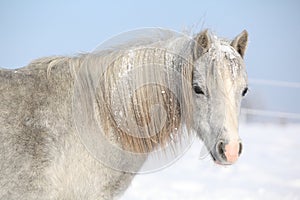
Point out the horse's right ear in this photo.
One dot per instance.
(240, 43)
(202, 43)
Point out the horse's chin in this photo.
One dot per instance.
(218, 161)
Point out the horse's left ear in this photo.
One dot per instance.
(240, 43)
(202, 43)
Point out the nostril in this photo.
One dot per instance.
(240, 148)
(221, 149)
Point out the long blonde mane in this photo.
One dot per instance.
(141, 91)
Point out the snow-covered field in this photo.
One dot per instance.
(269, 168)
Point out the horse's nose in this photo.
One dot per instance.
(229, 151)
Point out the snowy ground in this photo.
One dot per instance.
(269, 168)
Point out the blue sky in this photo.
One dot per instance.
(33, 29)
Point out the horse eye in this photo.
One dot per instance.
(198, 90)
(245, 92)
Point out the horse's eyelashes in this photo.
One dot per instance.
(245, 91)
(198, 90)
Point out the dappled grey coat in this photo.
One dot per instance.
(41, 157)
